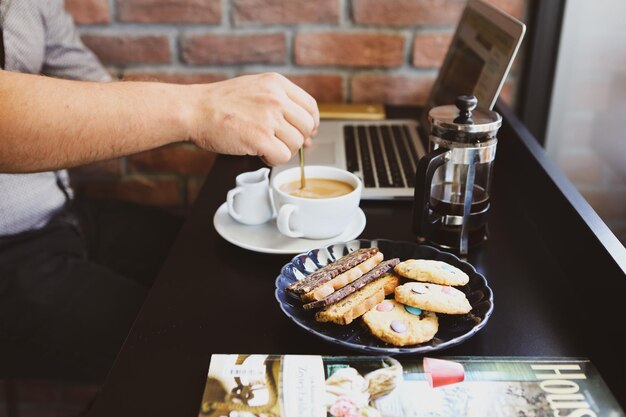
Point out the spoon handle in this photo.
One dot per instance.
(302, 178)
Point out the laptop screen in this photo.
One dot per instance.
(477, 61)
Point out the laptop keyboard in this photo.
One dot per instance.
(383, 154)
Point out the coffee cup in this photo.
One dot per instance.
(250, 201)
(325, 210)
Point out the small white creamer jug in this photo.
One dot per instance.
(250, 201)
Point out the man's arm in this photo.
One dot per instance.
(47, 123)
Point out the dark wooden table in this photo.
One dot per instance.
(557, 273)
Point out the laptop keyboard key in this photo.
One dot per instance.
(404, 149)
(379, 160)
(368, 169)
(407, 136)
(352, 159)
(392, 158)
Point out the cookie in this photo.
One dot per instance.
(342, 279)
(330, 271)
(401, 325)
(380, 270)
(355, 305)
(426, 270)
(433, 297)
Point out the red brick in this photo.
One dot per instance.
(285, 12)
(429, 49)
(234, 49)
(407, 12)
(170, 11)
(110, 168)
(145, 190)
(349, 49)
(89, 11)
(176, 78)
(177, 159)
(391, 89)
(194, 185)
(120, 49)
(324, 88)
(515, 8)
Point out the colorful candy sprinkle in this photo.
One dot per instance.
(398, 326)
(448, 268)
(419, 288)
(385, 306)
(413, 310)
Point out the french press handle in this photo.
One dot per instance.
(426, 168)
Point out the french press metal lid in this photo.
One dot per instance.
(453, 179)
(464, 123)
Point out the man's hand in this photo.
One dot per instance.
(264, 115)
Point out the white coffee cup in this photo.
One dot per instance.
(315, 218)
(250, 202)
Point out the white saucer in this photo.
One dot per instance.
(267, 239)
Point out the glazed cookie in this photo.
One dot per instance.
(401, 325)
(433, 297)
(426, 270)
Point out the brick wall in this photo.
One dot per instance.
(338, 50)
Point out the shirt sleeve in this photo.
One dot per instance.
(65, 54)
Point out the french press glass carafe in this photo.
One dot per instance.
(453, 180)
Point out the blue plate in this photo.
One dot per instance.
(453, 329)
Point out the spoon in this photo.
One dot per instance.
(302, 178)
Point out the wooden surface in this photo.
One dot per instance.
(557, 275)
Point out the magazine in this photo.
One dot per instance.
(382, 386)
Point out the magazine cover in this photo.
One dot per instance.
(365, 386)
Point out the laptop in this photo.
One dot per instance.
(384, 153)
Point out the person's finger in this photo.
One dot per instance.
(290, 136)
(264, 160)
(299, 118)
(274, 152)
(304, 99)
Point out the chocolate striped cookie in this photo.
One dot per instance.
(330, 271)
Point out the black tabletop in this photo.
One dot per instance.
(556, 272)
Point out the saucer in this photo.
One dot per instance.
(266, 238)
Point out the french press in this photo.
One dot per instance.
(453, 180)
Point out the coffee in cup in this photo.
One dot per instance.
(323, 215)
(317, 188)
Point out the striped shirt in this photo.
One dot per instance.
(40, 38)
